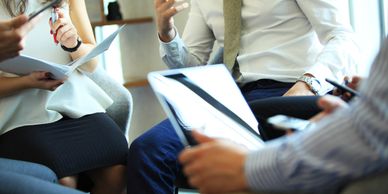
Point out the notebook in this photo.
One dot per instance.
(23, 65)
(208, 100)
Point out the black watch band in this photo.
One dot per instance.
(70, 50)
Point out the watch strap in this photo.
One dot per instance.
(309, 81)
(70, 50)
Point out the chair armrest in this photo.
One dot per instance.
(121, 109)
(376, 184)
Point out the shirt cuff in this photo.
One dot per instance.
(171, 48)
(261, 170)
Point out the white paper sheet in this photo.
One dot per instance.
(193, 112)
(23, 65)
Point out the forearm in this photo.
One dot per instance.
(175, 54)
(349, 144)
(12, 85)
(84, 49)
(80, 19)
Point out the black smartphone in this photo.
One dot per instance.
(284, 122)
(44, 7)
(343, 88)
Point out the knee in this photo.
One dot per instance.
(152, 139)
(112, 179)
(70, 181)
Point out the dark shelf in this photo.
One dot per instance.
(125, 21)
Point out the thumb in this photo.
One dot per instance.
(201, 138)
(330, 103)
(60, 13)
(18, 21)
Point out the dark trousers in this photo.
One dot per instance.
(152, 162)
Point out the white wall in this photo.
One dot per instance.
(365, 20)
(140, 55)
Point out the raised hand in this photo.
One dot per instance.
(165, 10)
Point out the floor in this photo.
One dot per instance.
(185, 191)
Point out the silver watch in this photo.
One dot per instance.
(312, 82)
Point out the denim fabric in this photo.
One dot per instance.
(18, 177)
(27, 168)
(152, 158)
(15, 183)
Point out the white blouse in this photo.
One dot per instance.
(77, 97)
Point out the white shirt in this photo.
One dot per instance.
(350, 144)
(77, 97)
(280, 40)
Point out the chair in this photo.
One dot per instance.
(121, 109)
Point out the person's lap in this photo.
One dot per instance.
(19, 177)
(28, 168)
(152, 158)
(16, 183)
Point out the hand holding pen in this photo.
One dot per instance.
(63, 29)
(53, 19)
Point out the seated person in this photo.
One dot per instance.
(349, 144)
(272, 62)
(61, 124)
(19, 177)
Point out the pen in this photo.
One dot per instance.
(54, 18)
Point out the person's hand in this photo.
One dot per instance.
(64, 31)
(12, 33)
(328, 104)
(42, 80)
(165, 10)
(299, 89)
(353, 82)
(215, 166)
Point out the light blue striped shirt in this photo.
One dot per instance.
(349, 144)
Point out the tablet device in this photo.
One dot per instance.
(45, 6)
(206, 99)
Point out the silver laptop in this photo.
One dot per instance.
(208, 100)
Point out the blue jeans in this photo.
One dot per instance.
(20, 177)
(152, 159)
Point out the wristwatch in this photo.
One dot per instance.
(312, 82)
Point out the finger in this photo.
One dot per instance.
(182, 7)
(158, 3)
(168, 4)
(69, 36)
(18, 21)
(40, 75)
(62, 30)
(195, 181)
(59, 23)
(201, 138)
(60, 13)
(330, 103)
(186, 156)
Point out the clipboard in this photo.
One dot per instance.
(206, 99)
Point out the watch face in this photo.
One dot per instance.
(315, 84)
